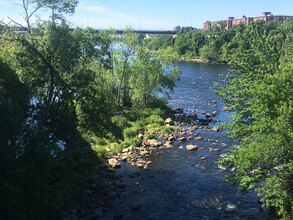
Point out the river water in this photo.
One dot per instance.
(178, 184)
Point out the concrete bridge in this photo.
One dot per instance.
(24, 30)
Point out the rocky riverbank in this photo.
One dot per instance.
(199, 61)
(107, 186)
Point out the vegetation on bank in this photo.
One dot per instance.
(259, 90)
(68, 98)
(217, 44)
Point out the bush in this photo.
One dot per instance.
(150, 136)
(167, 130)
(154, 119)
(130, 132)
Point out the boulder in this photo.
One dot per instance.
(171, 138)
(151, 142)
(143, 153)
(168, 144)
(215, 129)
(124, 158)
(191, 147)
(224, 145)
(178, 110)
(182, 139)
(215, 112)
(169, 121)
(114, 163)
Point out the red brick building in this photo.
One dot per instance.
(266, 16)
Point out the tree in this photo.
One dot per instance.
(149, 74)
(259, 90)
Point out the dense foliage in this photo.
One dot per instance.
(217, 44)
(259, 90)
(68, 98)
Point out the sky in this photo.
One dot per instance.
(155, 14)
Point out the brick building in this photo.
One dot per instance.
(266, 16)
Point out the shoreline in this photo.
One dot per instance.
(197, 60)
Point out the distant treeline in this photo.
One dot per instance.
(217, 44)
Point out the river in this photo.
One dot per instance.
(178, 184)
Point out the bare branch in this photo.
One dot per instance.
(17, 23)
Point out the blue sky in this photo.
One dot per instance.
(157, 14)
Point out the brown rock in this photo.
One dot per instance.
(182, 139)
(190, 137)
(114, 163)
(169, 121)
(124, 158)
(226, 108)
(203, 158)
(224, 145)
(191, 147)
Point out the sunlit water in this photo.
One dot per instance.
(178, 185)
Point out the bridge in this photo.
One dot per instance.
(121, 31)
(144, 31)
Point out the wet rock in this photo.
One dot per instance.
(135, 207)
(182, 139)
(177, 110)
(191, 147)
(203, 158)
(224, 145)
(124, 158)
(208, 115)
(168, 144)
(143, 153)
(140, 165)
(216, 149)
(215, 112)
(114, 163)
(215, 129)
(199, 138)
(226, 108)
(214, 101)
(190, 137)
(171, 138)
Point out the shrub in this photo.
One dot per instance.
(151, 136)
(167, 130)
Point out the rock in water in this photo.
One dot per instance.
(114, 163)
(191, 147)
(169, 121)
(135, 206)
